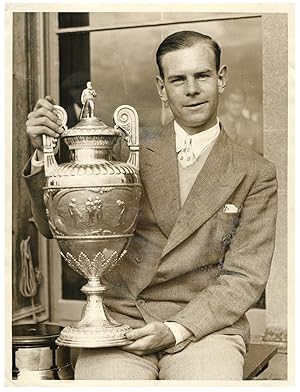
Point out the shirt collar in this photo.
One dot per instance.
(199, 140)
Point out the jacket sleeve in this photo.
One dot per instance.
(246, 267)
(35, 183)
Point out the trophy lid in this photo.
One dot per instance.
(89, 124)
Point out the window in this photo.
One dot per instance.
(116, 51)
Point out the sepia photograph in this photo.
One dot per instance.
(149, 195)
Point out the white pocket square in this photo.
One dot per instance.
(230, 209)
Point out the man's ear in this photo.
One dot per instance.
(222, 78)
(160, 85)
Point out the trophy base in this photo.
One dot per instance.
(96, 328)
(93, 337)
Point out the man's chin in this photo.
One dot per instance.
(197, 123)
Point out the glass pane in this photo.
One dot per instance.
(73, 19)
(74, 56)
(123, 72)
(115, 19)
(241, 105)
(197, 16)
(72, 283)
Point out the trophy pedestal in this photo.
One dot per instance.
(96, 328)
(93, 337)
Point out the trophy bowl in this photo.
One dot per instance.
(92, 203)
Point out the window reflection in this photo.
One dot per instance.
(241, 120)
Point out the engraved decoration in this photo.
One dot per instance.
(92, 204)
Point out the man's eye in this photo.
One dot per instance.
(177, 81)
(202, 77)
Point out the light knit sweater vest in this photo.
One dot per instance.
(187, 175)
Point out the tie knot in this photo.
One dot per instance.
(186, 155)
(188, 141)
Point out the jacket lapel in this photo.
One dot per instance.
(215, 183)
(159, 173)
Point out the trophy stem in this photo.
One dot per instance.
(96, 328)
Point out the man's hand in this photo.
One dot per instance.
(151, 338)
(43, 120)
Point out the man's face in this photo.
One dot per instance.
(191, 86)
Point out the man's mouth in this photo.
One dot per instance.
(195, 105)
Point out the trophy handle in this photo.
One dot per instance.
(49, 158)
(126, 118)
(49, 142)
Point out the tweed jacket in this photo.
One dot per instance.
(197, 265)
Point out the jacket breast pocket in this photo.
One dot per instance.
(227, 225)
(226, 229)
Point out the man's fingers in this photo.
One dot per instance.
(35, 125)
(50, 99)
(154, 328)
(139, 332)
(141, 344)
(43, 121)
(150, 338)
(46, 103)
(42, 113)
(38, 131)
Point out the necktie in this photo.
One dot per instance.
(186, 156)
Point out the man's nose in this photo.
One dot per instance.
(192, 87)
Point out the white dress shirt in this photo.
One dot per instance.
(199, 142)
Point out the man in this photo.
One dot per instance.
(87, 100)
(241, 130)
(202, 251)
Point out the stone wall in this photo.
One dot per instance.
(275, 98)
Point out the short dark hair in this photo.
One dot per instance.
(186, 39)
